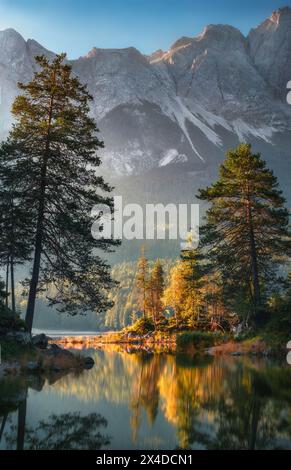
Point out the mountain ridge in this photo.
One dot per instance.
(192, 102)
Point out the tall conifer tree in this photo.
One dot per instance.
(246, 233)
(54, 143)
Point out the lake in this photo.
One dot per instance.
(139, 400)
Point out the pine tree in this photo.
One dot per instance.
(156, 285)
(141, 281)
(54, 143)
(246, 233)
(194, 276)
(15, 223)
(183, 294)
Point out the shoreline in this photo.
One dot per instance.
(39, 356)
(203, 344)
(67, 333)
(64, 352)
(117, 338)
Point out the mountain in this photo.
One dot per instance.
(270, 49)
(182, 107)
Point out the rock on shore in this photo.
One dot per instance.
(40, 355)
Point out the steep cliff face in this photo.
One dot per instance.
(216, 71)
(14, 63)
(270, 49)
(182, 107)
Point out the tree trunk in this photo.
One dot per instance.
(254, 259)
(4, 419)
(255, 416)
(13, 304)
(39, 228)
(37, 254)
(144, 301)
(6, 284)
(12, 248)
(21, 424)
(154, 307)
(256, 283)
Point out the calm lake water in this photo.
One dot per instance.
(151, 401)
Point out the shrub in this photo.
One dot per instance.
(198, 339)
(10, 321)
(142, 326)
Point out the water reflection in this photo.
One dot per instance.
(65, 431)
(152, 401)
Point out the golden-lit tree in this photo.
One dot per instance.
(156, 285)
(183, 294)
(141, 280)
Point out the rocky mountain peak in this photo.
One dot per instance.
(156, 55)
(92, 53)
(182, 42)
(270, 48)
(11, 42)
(213, 35)
(279, 19)
(221, 32)
(11, 34)
(281, 15)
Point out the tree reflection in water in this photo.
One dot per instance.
(214, 404)
(67, 431)
(188, 402)
(145, 390)
(231, 406)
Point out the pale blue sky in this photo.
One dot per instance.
(75, 26)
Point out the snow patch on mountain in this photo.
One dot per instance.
(172, 156)
(244, 130)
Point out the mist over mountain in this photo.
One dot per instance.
(182, 107)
